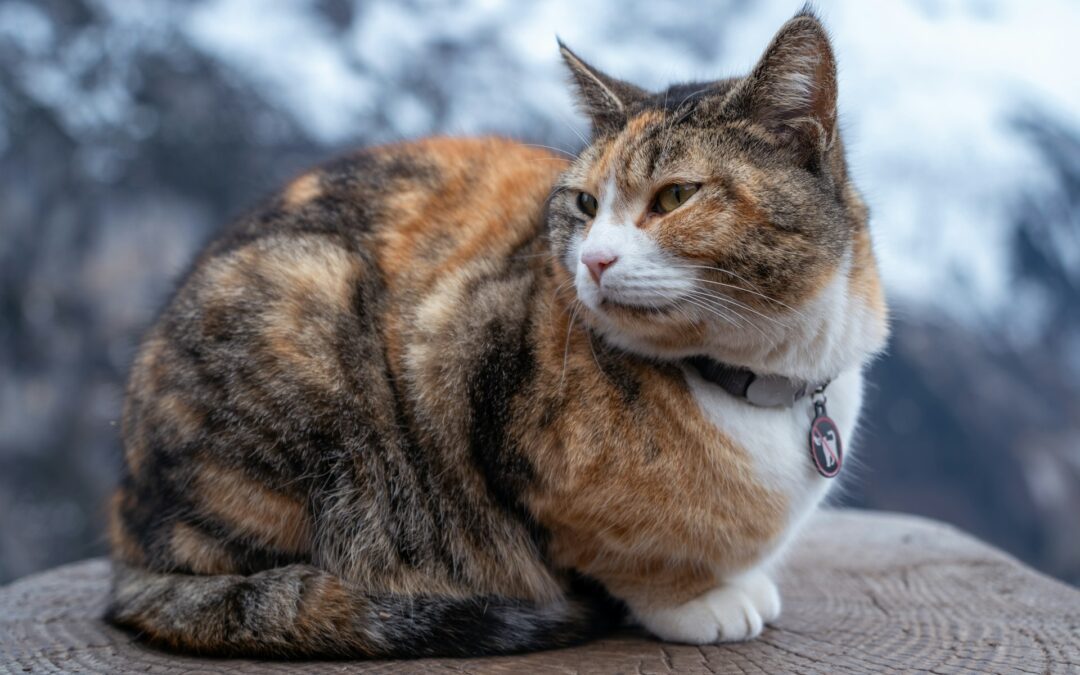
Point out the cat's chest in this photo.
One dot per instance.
(777, 439)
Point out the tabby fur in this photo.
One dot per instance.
(391, 413)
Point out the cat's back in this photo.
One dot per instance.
(282, 341)
(410, 207)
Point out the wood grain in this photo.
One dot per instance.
(864, 592)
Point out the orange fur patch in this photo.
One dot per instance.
(198, 552)
(450, 222)
(180, 416)
(489, 193)
(302, 190)
(309, 282)
(147, 375)
(652, 493)
(254, 510)
(122, 542)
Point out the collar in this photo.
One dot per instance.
(766, 391)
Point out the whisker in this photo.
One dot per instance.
(676, 116)
(648, 286)
(751, 324)
(573, 129)
(674, 302)
(566, 348)
(746, 290)
(569, 154)
(702, 294)
(733, 301)
(645, 276)
(717, 268)
(718, 311)
(708, 302)
(729, 317)
(736, 310)
(666, 128)
(564, 285)
(588, 336)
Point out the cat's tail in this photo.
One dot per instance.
(301, 610)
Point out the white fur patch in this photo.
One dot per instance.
(733, 612)
(777, 440)
(834, 330)
(643, 273)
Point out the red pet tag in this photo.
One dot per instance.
(826, 448)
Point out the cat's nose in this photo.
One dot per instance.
(597, 262)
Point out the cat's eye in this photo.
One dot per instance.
(587, 203)
(673, 196)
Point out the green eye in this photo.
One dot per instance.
(674, 196)
(587, 203)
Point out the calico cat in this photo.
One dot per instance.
(461, 397)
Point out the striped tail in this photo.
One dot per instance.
(300, 610)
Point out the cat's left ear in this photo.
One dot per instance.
(604, 99)
(792, 89)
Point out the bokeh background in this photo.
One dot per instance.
(131, 130)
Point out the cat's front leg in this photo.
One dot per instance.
(735, 610)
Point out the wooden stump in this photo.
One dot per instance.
(863, 592)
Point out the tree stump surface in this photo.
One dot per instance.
(863, 592)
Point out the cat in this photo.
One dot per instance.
(462, 397)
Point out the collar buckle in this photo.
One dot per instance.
(774, 391)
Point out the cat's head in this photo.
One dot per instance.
(718, 217)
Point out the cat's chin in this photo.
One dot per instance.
(652, 332)
(620, 308)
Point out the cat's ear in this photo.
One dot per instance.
(604, 99)
(792, 89)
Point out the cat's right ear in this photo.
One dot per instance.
(604, 99)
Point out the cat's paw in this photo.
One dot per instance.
(762, 592)
(731, 613)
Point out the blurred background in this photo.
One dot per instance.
(130, 131)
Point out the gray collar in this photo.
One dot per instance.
(766, 391)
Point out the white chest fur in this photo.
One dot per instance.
(777, 439)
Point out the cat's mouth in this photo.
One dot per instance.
(610, 305)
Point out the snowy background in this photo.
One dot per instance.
(130, 130)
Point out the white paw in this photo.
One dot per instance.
(763, 593)
(733, 612)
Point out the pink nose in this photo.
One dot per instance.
(597, 262)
